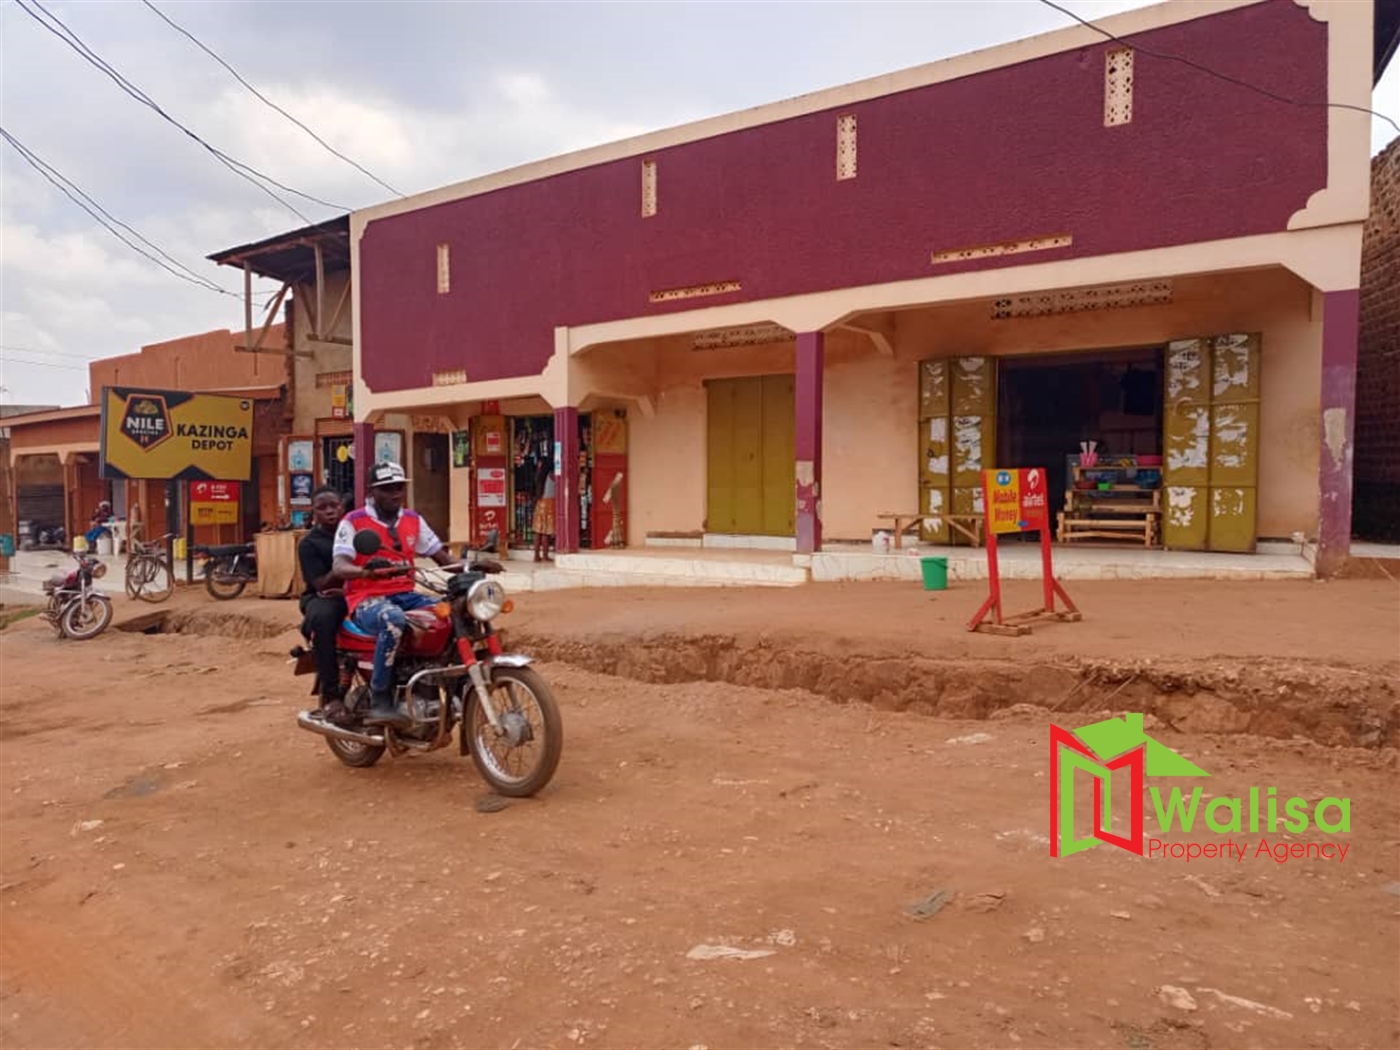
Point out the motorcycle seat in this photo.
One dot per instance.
(228, 550)
(355, 639)
(55, 581)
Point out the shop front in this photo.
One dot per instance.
(507, 463)
(1177, 415)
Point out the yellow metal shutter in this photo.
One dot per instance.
(1210, 473)
(1234, 443)
(957, 402)
(935, 453)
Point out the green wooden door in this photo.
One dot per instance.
(1211, 472)
(750, 444)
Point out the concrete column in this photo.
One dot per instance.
(364, 457)
(1340, 327)
(810, 354)
(566, 483)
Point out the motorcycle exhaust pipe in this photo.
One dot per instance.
(317, 725)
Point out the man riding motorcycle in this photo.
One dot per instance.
(379, 589)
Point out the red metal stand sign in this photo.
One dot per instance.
(1016, 501)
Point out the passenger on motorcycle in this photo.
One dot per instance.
(378, 597)
(323, 606)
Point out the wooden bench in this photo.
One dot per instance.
(969, 525)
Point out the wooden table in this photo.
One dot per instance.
(969, 525)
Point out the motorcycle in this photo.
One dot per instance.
(228, 569)
(76, 608)
(451, 671)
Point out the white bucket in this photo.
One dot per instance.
(104, 543)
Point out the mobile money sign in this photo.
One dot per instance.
(214, 502)
(163, 434)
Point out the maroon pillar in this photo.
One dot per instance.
(810, 352)
(1340, 313)
(364, 456)
(566, 492)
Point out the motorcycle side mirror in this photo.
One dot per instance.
(367, 542)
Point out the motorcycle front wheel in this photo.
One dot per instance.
(221, 585)
(86, 618)
(520, 761)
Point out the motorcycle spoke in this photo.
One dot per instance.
(518, 762)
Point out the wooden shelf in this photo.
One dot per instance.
(1120, 512)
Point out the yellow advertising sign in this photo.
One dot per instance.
(160, 434)
(214, 503)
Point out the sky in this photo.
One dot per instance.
(420, 94)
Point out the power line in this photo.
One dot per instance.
(6, 359)
(1215, 73)
(240, 169)
(102, 215)
(42, 353)
(263, 98)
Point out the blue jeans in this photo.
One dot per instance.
(385, 616)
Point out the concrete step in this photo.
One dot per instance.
(622, 570)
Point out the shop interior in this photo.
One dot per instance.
(1052, 409)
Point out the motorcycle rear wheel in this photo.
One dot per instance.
(357, 756)
(516, 689)
(221, 586)
(86, 619)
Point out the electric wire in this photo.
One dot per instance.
(1138, 48)
(100, 215)
(55, 26)
(263, 98)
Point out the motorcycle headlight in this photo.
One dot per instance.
(485, 600)
(99, 570)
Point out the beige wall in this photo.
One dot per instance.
(313, 402)
(869, 399)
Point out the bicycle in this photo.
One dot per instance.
(149, 575)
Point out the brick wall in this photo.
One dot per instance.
(1376, 503)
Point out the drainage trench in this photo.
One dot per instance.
(1332, 706)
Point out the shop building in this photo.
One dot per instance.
(766, 329)
(54, 455)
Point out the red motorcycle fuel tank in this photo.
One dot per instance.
(429, 631)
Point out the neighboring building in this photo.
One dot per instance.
(771, 326)
(54, 454)
(1376, 507)
(313, 265)
(10, 512)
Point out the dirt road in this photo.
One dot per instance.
(180, 866)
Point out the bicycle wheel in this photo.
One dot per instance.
(149, 578)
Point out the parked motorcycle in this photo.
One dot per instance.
(450, 672)
(76, 608)
(228, 569)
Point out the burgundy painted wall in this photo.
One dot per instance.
(1008, 154)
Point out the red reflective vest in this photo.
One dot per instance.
(403, 551)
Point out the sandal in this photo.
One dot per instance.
(337, 714)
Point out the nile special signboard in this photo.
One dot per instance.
(159, 434)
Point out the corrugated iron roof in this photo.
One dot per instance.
(289, 256)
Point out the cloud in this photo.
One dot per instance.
(423, 95)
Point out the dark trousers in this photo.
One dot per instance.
(322, 619)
